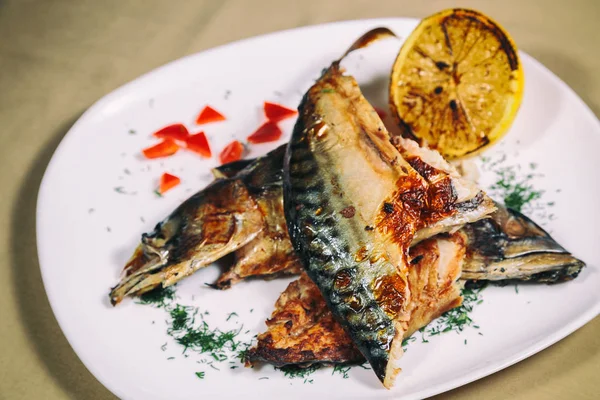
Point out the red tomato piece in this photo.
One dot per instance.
(175, 132)
(267, 132)
(199, 143)
(276, 112)
(380, 112)
(232, 152)
(209, 114)
(164, 149)
(168, 182)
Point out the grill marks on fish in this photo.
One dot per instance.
(327, 253)
(505, 246)
(302, 329)
(362, 274)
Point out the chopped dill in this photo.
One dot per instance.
(515, 187)
(458, 318)
(327, 90)
(517, 289)
(204, 340)
(231, 315)
(242, 353)
(179, 318)
(262, 378)
(132, 132)
(342, 370)
(157, 193)
(455, 320)
(515, 192)
(200, 375)
(158, 297)
(294, 371)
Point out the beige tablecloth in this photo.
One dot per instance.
(58, 57)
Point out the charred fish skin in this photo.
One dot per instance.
(212, 223)
(318, 240)
(353, 206)
(270, 254)
(510, 246)
(207, 226)
(231, 169)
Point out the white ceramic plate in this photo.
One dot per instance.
(86, 230)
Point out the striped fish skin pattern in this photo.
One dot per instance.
(353, 206)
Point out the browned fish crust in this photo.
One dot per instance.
(302, 330)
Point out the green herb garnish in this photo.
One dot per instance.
(342, 370)
(231, 315)
(200, 375)
(294, 371)
(455, 320)
(158, 297)
(516, 192)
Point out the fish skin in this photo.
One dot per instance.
(270, 253)
(212, 223)
(206, 227)
(507, 240)
(325, 240)
(494, 254)
(231, 169)
(510, 246)
(302, 330)
(353, 205)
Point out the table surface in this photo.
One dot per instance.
(58, 57)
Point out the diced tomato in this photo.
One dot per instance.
(267, 132)
(276, 112)
(167, 182)
(209, 114)
(164, 149)
(175, 132)
(199, 144)
(380, 112)
(232, 152)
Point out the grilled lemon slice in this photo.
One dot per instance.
(457, 82)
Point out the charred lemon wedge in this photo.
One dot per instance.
(457, 82)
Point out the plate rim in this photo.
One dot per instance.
(120, 392)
